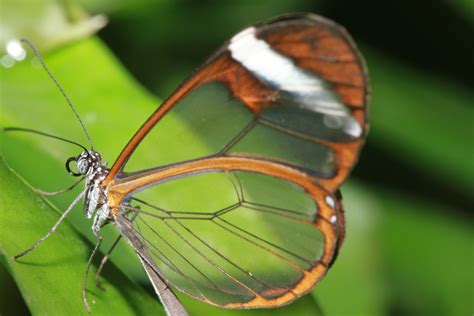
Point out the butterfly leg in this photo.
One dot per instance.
(103, 262)
(86, 275)
(107, 255)
(55, 226)
(45, 193)
(53, 193)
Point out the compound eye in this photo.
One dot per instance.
(82, 166)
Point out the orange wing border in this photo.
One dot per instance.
(329, 220)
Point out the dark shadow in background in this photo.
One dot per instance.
(11, 301)
(430, 36)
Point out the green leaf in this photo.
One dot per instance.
(423, 121)
(427, 256)
(50, 277)
(113, 107)
(101, 91)
(409, 114)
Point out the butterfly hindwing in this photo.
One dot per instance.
(237, 238)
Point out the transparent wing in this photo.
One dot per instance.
(232, 178)
(292, 91)
(237, 238)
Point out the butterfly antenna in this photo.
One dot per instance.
(29, 43)
(29, 130)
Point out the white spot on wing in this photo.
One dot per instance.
(278, 71)
(330, 201)
(257, 56)
(333, 219)
(352, 127)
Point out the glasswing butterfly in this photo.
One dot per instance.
(282, 110)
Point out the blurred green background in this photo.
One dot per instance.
(409, 246)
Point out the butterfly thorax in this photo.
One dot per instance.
(90, 166)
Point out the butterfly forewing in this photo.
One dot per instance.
(231, 181)
(292, 90)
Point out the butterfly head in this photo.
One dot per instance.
(84, 164)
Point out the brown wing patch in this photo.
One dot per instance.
(326, 49)
(245, 87)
